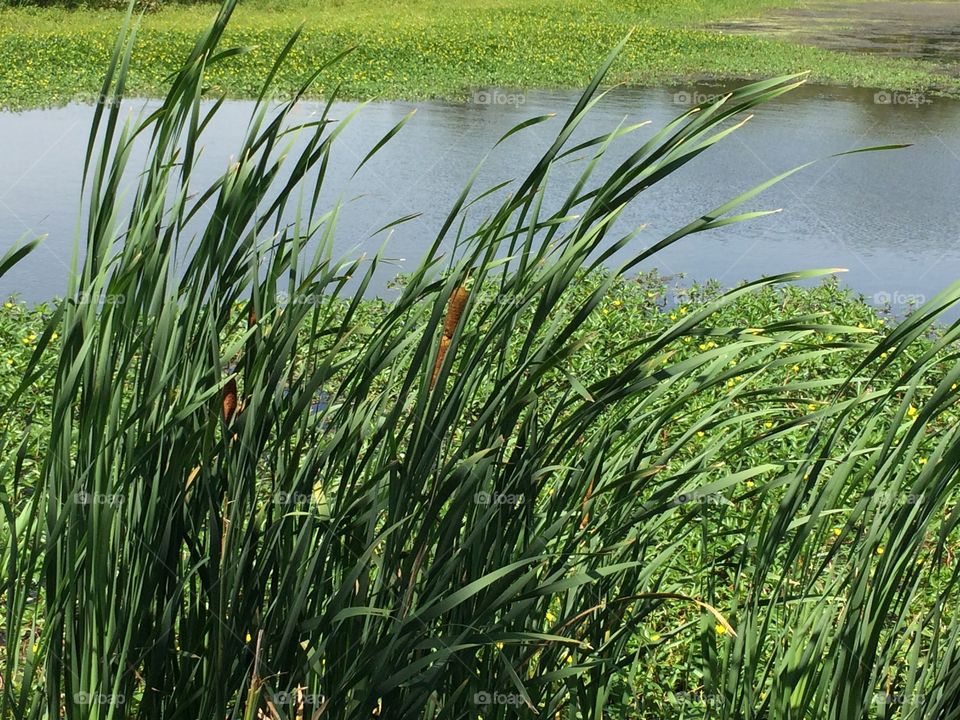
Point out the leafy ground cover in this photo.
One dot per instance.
(426, 48)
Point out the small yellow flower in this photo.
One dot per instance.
(829, 338)
(9, 361)
(673, 316)
(700, 433)
(796, 368)
(617, 303)
(720, 629)
(953, 387)
(836, 532)
(912, 411)
(8, 305)
(499, 646)
(683, 311)
(551, 617)
(922, 461)
(651, 294)
(880, 550)
(249, 637)
(703, 346)
(768, 425)
(606, 312)
(883, 355)
(730, 383)
(54, 336)
(750, 483)
(655, 637)
(569, 659)
(812, 406)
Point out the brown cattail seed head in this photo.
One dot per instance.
(229, 399)
(441, 353)
(251, 318)
(458, 300)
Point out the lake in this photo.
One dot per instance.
(891, 218)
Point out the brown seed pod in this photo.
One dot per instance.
(251, 318)
(441, 353)
(458, 301)
(229, 399)
(586, 501)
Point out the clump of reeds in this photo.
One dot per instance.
(413, 552)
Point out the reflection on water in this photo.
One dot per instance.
(891, 218)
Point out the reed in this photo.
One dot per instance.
(467, 527)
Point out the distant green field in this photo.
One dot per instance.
(426, 48)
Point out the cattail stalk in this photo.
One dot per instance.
(229, 399)
(455, 305)
(441, 354)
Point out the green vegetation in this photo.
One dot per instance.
(525, 487)
(426, 48)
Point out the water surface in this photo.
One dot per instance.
(891, 218)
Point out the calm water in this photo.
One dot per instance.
(891, 218)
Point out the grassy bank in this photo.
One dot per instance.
(426, 48)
